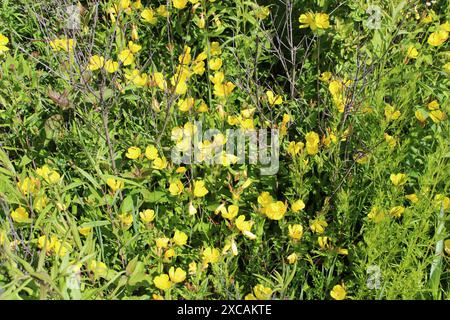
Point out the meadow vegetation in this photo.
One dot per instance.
(96, 95)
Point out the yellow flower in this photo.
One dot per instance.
(124, 4)
(412, 197)
(20, 215)
(181, 170)
(96, 62)
(147, 215)
(3, 42)
(215, 64)
(168, 255)
(338, 292)
(181, 87)
(397, 211)
(250, 296)
(210, 255)
(201, 56)
(179, 4)
(98, 268)
(264, 199)
(376, 214)
(391, 141)
(325, 76)
(231, 213)
(43, 172)
(133, 153)
(342, 251)
(191, 209)
(391, 113)
(322, 20)
(445, 26)
(247, 124)
(272, 99)
(398, 179)
(176, 187)
(162, 282)
(222, 90)
(314, 21)
(323, 242)
(203, 107)
(111, 66)
(318, 225)
(433, 105)
(126, 220)
(186, 104)
(185, 58)
(40, 203)
(134, 33)
(248, 113)
(54, 177)
(199, 68)
(85, 230)
(151, 152)
(63, 44)
(137, 78)
(158, 78)
(421, 115)
(312, 143)
(50, 176)
(275, 210)
(162, 242)
(148, 15)
(137, 4)
(157, 297)
(245, 227)
(126, 56)
(336, 88)
(192, 268)
(412, 52)
(200, 189)
(112, 12)
(292, 258)
(217, 78)
(180, 238)
(437, 116)
(295, 147)
(295, 231)
(227, 159)
(62, 248)
(328, 139)
(230, 245)
(162, 11)
(437, 38)
(177, 275)
(29, 185)
(307, 20)
(447, 67)
(262, 293)
(115, 184)
(298, 205)
(159, 163)
(43, 241)
(134, 47)
(200, 21)
(215, 48)
(429, 17)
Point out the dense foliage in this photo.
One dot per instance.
(94, 99)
